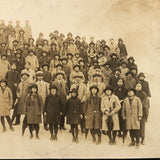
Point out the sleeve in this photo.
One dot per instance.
(37, 63)
(103, 108)
(18, 92)
(85, 107)
(117, 104)
(45, 104)
(10, 97)
(139, 103)
(26, 104)
(148, 90)
(124, 108)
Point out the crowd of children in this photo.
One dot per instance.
(66, 79)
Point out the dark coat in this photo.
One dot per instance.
(44, 59)
(83, 54)
(145, 88)
(130, 83)
(114, 64)
(47, 77)
(73, 110)
(20, 64)
(13, 78)
(123, 51)
(113, 81)
(33, 108)
(53, 108)
(132, 65)
(121, 92)
(92, 109)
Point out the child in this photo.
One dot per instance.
(6, 101)
(70, 60)
(73, 112)
(93, 116)
(47, 77)
(123, 69)
(129, 82)
(101, 58)
(33, 110)
(53, 111)
(110, 106)
(131, 63)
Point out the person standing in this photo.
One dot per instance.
(132, 113)
(110, 106)
(33, 110)
(6, 101)
(53, 111)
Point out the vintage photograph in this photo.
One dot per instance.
(79, 79)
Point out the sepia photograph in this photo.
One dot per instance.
(79, 79)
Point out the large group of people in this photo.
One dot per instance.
(92, 86)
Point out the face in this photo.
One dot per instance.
(138, 87)
(21, 32)
(45, 68)
(129, 75)
(31, 41)
(83, 38)
(114, 57)
(134, 71)
(31, 53)
(130, 60)
(45, 42)
(25, 46)
(39, 77)
(112, 41)
(93, 90)
(81, 63)
(77, 55)
(4, 58)
(53, 91)
(108, 92)
(27, 66)
(44, 54)
(76, 69)
(53, 46)
(117, 73)
(96, 78)
(124, 65)
(64, 61)
(131, 93)
(3, 84)
(24, 77)
(73, 94)
(56, 57)
(59, 68)
(81, 47)
(40, 46)
(141, 78)
(34, 90)
(120, 42)
(107, 66)
(120, 82)
(18, 55)
(8, 52)
(69, 57)
(77, 79)
(13, 66)
(59, 76)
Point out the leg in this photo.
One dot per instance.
(72, 129)
(76, 132)
(82, 124)
(142, 130)
(36, 126)
(93, 135)
(51, 130)
(62, 123)
(132, 138)
(114, 136)
(13, 115)
(3, 123)
(86, 133)
(30, 130)
(45, 122)
(110, 137)
(55, 131)
(137, 137)
(10, 123)
(99, 136)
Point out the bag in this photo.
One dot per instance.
(109, 123)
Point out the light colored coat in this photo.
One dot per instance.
(6, 101)
(114, 105)
(72, 49)
(74, 73)
(33, 60)
(132, 112)
(5, 66)
(123, 72)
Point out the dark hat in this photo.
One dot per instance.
(15, 41)
(106, 47)
(108, 88)
(138, 82)
(92, 43)
(101, 53)
(131, 58)
(51, 35)
(59, 65)
(56, 55)
(64, 58)
(77, 37)
(77, 53)
(117, 69)
(44, 52)
(30, 39)
(53, 44)
(65, 42)
(45, 64)
(131, 89)
(18, 50)
(103, 41)
(3, 43)
(60, 72)
(31, 50)
(71, 39)
(62, 35)
(80, 76)
(39, 73)
(40, 34)
(107, 63)
(53, 87)
(4, 55)
(45, 40)
(114, 54)
(134, 68)
(141, 75)
(34, 85)
(81, 60)
(120, 78)
(96, 75)
(124, 62)
(25, 43)
(94, 86)
(3, 80)
(56, 31)
(120, 39)
(69, 34)
(21, 30)
(24, 73)
(129, 72)
(8, 49)
(76, 66)
(70, 54)
(73, 90)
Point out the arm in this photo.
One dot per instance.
(10, 98)
(124, 110)
(139, 103)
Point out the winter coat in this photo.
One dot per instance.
(5, 66)
(22, 92)
(123, 51)
(129, 83)
(13, 79)
(33, 108)
(120, 92)
(83, 55)
(33, 60)
(113, 81)
(73, 110)
(6, 101)
(84, 70)
(107, 75)
(123, 72)
(74, 73)
(53, 108)
(20, 64)
(43, 90)
(47, 77)
(114, 64)
(132, 65)
(32, 75)
(131, 112)
(53, 64)
(44, 59)
(92, 110)
(67, 70)
(72, 48)
(108, 106)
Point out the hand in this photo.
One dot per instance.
(124, 118)
(25, 112)
(112, 113)
(81, 116)
(45, 113)
(139, 118)
(15, 84)
(61, 113)
(106, 113)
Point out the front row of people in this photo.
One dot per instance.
(97, 112)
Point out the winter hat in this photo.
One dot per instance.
(31, 50)
(76, 66)
(124, 62)
(56, 31)
(120, 39)
(131, 89)
(93, 86)
(4, 55)
(77, 37)
(56, 55)
(15, 41)
(21, 30)
(45, 64)
(81, 60)
(117, 69)
(129, 72)
(3, 80)
(34, 85)
(53, 44)
(73, 90)
(60, 72)
(62, 35)
(24, 73)
(77, 53)
(59, 65)
(92, 43)
(113, 54)
(64, 58)
(101, 53)
(131, 58)
(53, 87)
(108, 88)
(39, 73)
(107, 63)
(141, 75)
(69, 54)
(69, 34)
(103, 41)
(44, 52)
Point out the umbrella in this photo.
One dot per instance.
(25, 125)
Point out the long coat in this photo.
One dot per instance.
(129, 83)
(33, 108)
(73, 110)
(108, 106)
(131, 112)
(53, 108)
(22, 92)
(5, 66)
(33, 60)
(92, 109)
(6, 101)
(145, 88)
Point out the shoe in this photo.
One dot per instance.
(98, 142)
(77, 141)
(74, 140)
(114, 142)
(51, 138)
(94, 140)
(46, 128)
(142, 142)
(12, 129)
(131, 144)
(137, 145)
(104, 132)
(37, 137)
(4, 130)
(110, 142)
(31, 137)
(55, 138)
